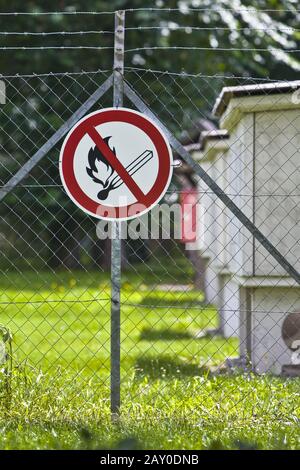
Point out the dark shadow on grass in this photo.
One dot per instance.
(165, 368)
(148, 334)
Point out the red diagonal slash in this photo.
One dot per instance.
(116, 165)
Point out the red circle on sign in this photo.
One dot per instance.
(88, 125)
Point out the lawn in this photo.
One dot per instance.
(175, 390)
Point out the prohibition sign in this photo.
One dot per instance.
(115, 164)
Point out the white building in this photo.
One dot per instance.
(258, 167)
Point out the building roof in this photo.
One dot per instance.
(217, 134)
(206, 136)
(252, 90)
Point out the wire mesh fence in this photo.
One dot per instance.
(50, 252)
(207, 324)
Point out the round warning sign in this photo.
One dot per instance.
(115, 164)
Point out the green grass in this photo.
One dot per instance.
(175, 393)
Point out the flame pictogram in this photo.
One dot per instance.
(104, 174)
(100, 169)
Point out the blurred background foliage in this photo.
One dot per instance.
(244, 28)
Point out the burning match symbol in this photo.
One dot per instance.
(104, 174)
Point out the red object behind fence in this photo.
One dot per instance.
(188, 202)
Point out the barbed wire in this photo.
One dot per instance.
(185, 11)
(49, 13)
(53, 33)
(182, 74)
(222, 49)
(56, 74)
(150, 48)
(42, 48)
(188, 10)
(206, 28)
(200, 75)
(172, 28)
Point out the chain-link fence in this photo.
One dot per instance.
(209, 319)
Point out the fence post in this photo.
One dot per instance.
(115, 345)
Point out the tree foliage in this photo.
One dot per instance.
(237, 24)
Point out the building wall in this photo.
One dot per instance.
(269, 308)
(277, 188)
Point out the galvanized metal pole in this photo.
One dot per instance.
(116, 255)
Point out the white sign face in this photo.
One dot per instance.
(116, 164)
(120, 137)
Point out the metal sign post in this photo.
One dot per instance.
(116, 255)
